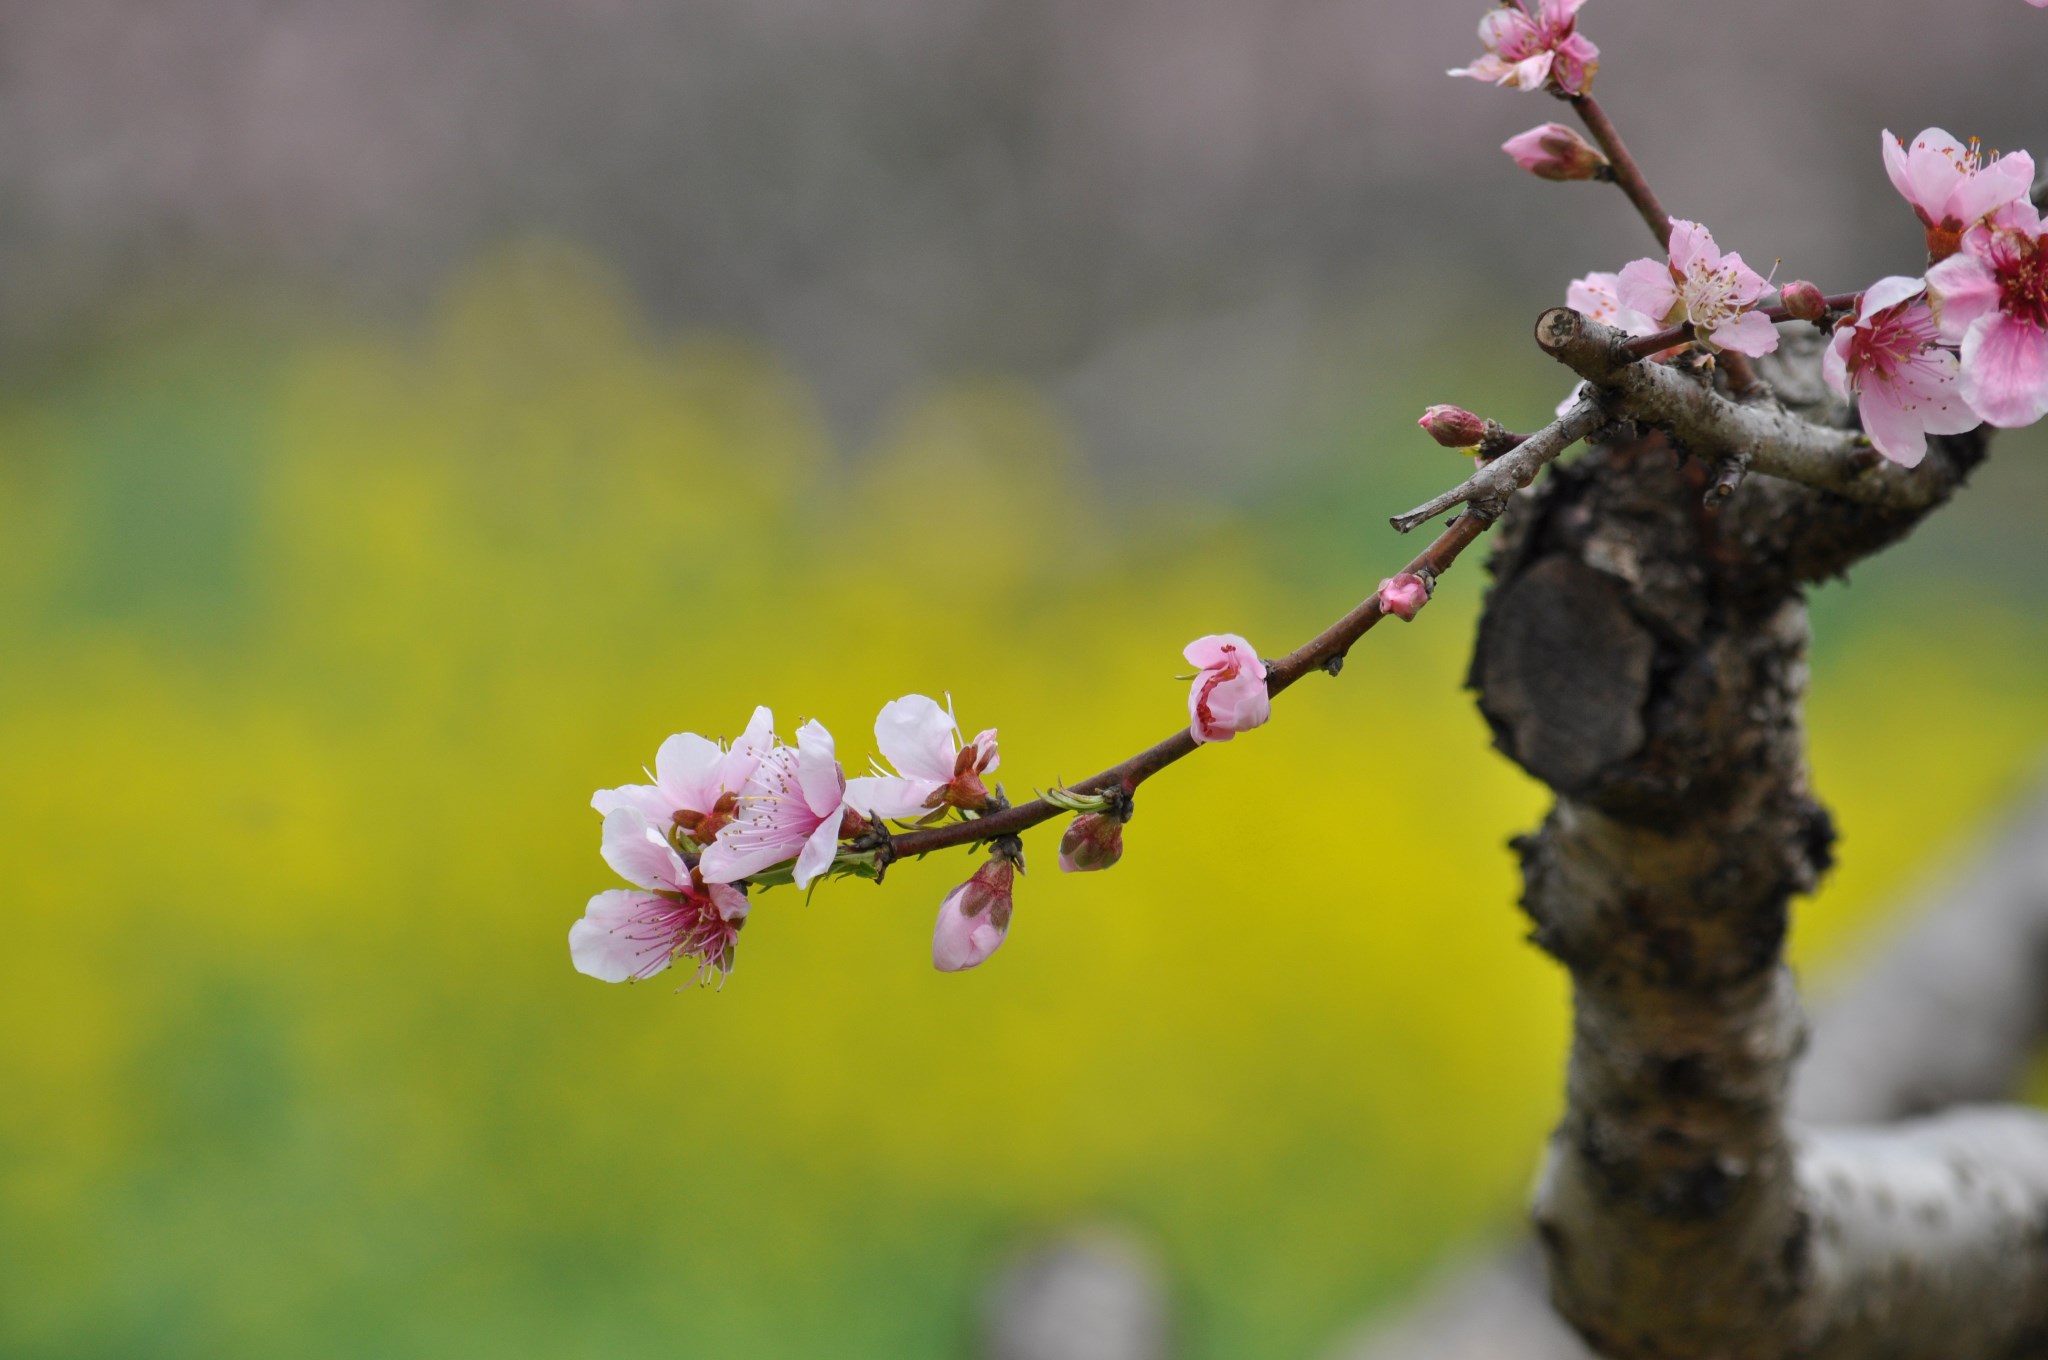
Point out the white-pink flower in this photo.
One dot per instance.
(974, 919)
(1889, 358)
(697, 782)
(626, 934)
(1992, 296)
(1599, 296)
(1697, 283)
(1528, 50)
(791, 808)
(1229, 696)
(1951, 186)
(932, 769)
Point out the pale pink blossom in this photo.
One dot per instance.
(932, 769)
(1599, 296)
(1950, 185)
(1697, 283)
(1992, 296)
(1888, 357)
(697, 782)
(974, 919)
(626, 935)
(1093, 840)
(793, 807)
(1229, 696)
(1534, 49)
(1554, 151)
(1404, 595)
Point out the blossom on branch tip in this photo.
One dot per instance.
(1554, 151)
(792, 807)
(1094, 840)
(1454, 427)
(1950, 185)
(1697, 283)
(627, 935)
(1229, 696)
(697, 782)
(1598, 296)
(1532, 50)
(933, 770)
(974, 918)
(1887, 355)
(1404, 595)
(1992, 297)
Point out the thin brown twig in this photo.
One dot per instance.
(1322, 652)
(1627, 174)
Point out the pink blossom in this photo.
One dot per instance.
(1950, 186)
(933, 770)
(1888, 357)
(626, 935)
(1454, 427)
(1599, 296)
(1404, 595)
(1699, 284)
(1531, 50)
(793, 807)
(975, 917)
(1229, 696)
(697, 782)
(1554, 151)
(1992, 295)
(1093, 840)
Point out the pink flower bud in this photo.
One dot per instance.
(1404, 595)
(1094, 840)
(1803, 301)
(1454, 427)
(1554, 151)
(974, 918)
(1229, 696)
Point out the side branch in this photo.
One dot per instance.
(1488, 489)
(1778, 443)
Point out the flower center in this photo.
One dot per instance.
(1889, 344)
(2022, 269)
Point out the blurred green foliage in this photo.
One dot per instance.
(312, 649)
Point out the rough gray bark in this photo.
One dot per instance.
(1947, 1009)
(1644, 656)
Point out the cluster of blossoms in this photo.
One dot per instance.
(719, 820)
(1966, 343)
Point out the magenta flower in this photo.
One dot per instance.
(1950, 186)
(933, 770)
(975, 917)
(697, 782)
(1229, 696)
(1992, 295)
(1715, 292)
(1554, 151)
(627, 935)
(1404, 595)
(793, 807)
(1888, 357)
(1528, 51)
(1599, 297)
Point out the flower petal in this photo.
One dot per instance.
(646, 799)
(622, 936)
(817, 768)
(1645, 286)
(686, 768)
(2005, 371)
(917, 737)
(1751, 333)
(888, 796)
(2005, 180)
(1961, 289)
(639, 853)
(1889, 291)
(816, 856)
(1891, 427)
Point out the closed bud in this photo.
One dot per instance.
(1454, 427)
(1094, 840)
(1554, 151)
(1803, 301)
(1404, 595)
(975, 917)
